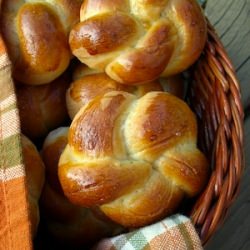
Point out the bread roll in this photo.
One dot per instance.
(35, 174)
(134, 158)
(42, 108)
(67, 223)
(90, 84)
(36, 34)
(139, 40)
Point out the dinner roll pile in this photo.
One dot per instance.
(101, 95)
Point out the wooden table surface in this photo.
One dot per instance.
(231, 18)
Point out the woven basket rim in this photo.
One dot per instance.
(215, 97)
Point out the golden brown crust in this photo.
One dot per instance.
(82, 91)
(169, 37)
(90, 84)
(192, 177)
(147, 61)
(166, 121)
(103, 33)
(46, 53)
(70, 224)
(102, 181)
(192, 35)
(42, 108)
(35, 174)
(148, 204)
(135, 158)
(97, 137)
(36, 34)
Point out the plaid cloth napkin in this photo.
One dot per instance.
(175, 233)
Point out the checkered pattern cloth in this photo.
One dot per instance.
(175, 233)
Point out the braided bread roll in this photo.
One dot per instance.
(42, 108)
(135, 158)
(35, 174)
(67, 223)
(92, 84)
(36, 34)
(139, 40)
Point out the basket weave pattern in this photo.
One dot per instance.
(215, 97)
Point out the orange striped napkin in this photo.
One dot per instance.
(14, 222)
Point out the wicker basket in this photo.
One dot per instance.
(214, 95)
